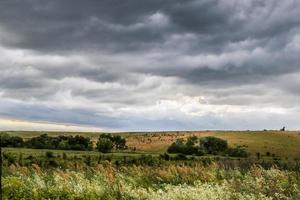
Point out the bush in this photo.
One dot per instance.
(190, 147)
(165, 156)
(11, 141)
(104, 145)
(117, 141)
(213, 145)
(49, 154)
(147, 160)
(177, 147)
(237, 152)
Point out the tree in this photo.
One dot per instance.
(189, 147)
(191, 141)
(213, 145)
(104, 145)
(177, 147)
(11, 141)
(237, 152)
(119, 142)
(63, 144)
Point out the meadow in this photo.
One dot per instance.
(284, 144)
(145, 171)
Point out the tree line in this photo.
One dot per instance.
(106, 142)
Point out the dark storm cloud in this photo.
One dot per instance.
(64, 25)
(122, 26)
(144, 62)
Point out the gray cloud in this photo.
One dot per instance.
(162, 64)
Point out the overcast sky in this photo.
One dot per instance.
(150, 65)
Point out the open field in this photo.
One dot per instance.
(41, 153)
(144, 171)
(283, 144)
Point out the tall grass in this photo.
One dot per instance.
(168, 182)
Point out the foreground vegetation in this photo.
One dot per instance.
(169, 181)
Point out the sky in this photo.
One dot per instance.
(149, 65)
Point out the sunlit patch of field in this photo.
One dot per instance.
(282, 144)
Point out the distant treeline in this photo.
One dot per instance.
(206, 145)
(106, 142)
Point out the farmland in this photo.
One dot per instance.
(145, 171)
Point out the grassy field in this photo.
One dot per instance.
(283, 144)
(142, 171)
(71, 153)
(168, 182)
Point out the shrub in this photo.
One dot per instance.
(11, 141)
(237, 152)
(117, 141)
(213, 145)
(165, 156)
(104, 145)
(147, 160)
(190, 147)
(180, 156)
(194, 146)
(49, 154)
(177, 147)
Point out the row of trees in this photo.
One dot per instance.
(207, 145)
(46, 142)
(106, 142)
(11, 141)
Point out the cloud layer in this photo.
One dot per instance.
(151, 65)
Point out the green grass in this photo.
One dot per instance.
(41, 153)
(282, 144)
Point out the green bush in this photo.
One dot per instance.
(49, 154)
(104, 145)
(196, 146)
(117, 141)
(165, 156)
(237, 152)
(11, 141)
(213, 145)
(190, 147)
